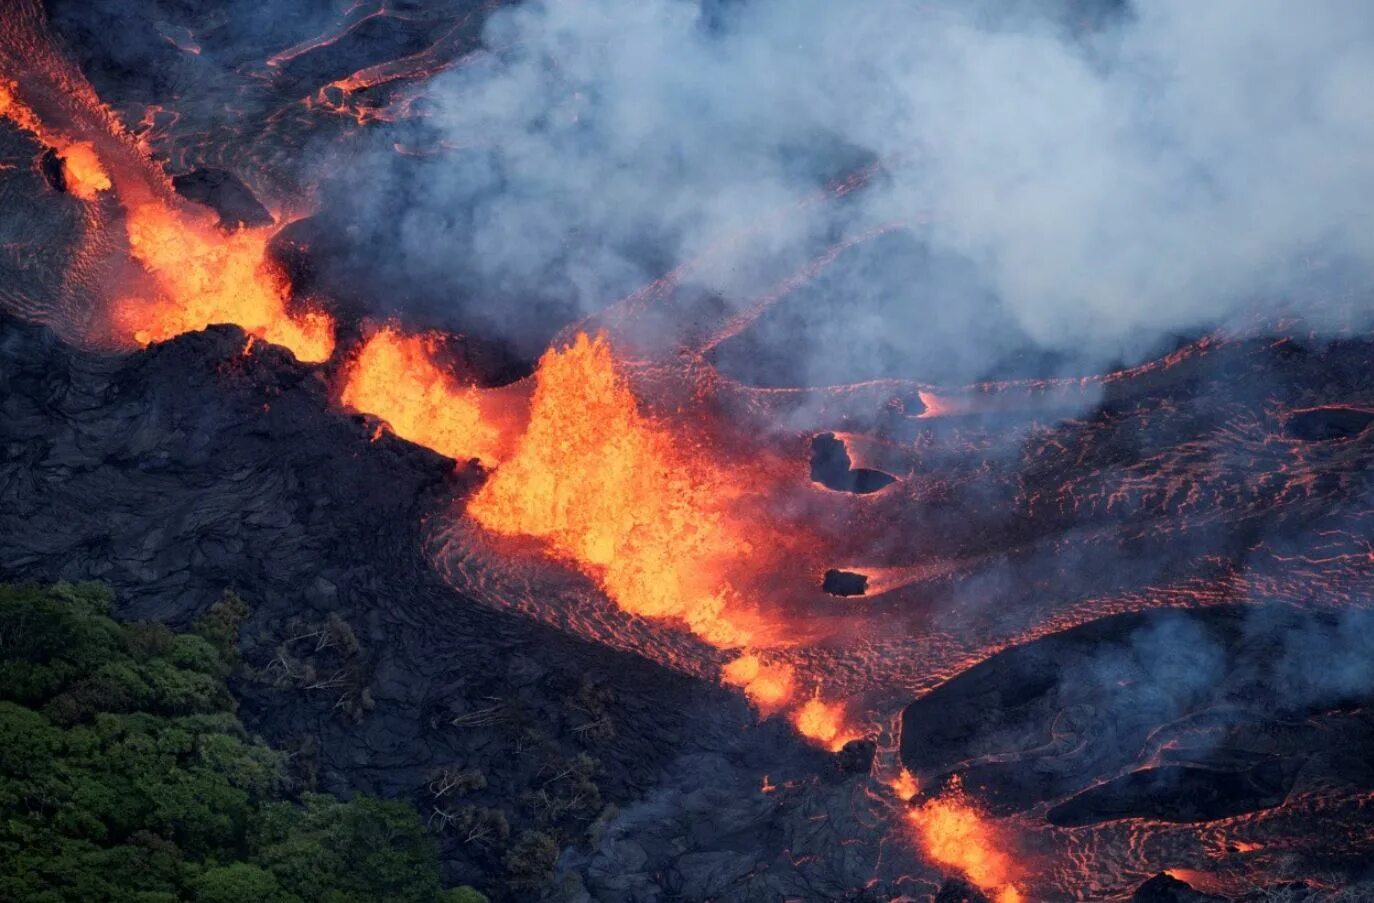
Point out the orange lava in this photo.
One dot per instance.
(767, 685)
(86, 177)
(205, 277)
(85, 174)
(953, 834)
(630, 500)
(904, 785)
(823, 722)
(395, 377)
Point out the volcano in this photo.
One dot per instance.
(717, 606)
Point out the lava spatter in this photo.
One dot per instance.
(954, 834)
(630, 500)
(395, 377)
(206, 276)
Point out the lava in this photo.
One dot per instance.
(82, 170)
(954, 834)
(395, 377)
(206, 276)
(648, 500)
(627, 498)
(823, 722)
(768, 685)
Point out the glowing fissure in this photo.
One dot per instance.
(613, 490)
(206, 276)
(395, 377)
(954, 834)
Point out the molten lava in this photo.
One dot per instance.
(629, 500)
(767, 685)
(904, 786)
(823, 722)
(85, 175)
(395, 377)
(206, 276)
(954, 834)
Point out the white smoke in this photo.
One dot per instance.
(1095, 190)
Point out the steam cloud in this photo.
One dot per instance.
(1085, 183)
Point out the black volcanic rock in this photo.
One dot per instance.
(226, 194)
(1165, 888)
(830, 467)
(1325, 423)
(1177, 716)
(957, 890)
(50, 165)
(844, 583)
(856, 756)
(1180, 793)
(177, 472)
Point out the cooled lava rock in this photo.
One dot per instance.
(1326, 423)
(844, 583)
(226, 194)
(1175, 716)
(856, 757)
(174, 473)
(830, 466)
(1165, 888)
(957, 890)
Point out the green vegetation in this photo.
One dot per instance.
(126, 776)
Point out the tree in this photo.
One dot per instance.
(126, 776)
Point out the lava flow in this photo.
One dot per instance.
(83, 174)
(206, 276)
(661, 498)
(395, 377)
(953, 833)
(619, 493)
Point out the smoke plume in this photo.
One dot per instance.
(1080, 185)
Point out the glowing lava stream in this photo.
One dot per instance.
(952, 833)
(198, 274)
(655, 518)
(82, 170)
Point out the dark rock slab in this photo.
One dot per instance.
(1326, 423)
(1180, 716)
(844, 583)
(1165, 888)
(225, 193)
(830, 466)
(1180, 793)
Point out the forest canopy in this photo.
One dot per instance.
(125, 774)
